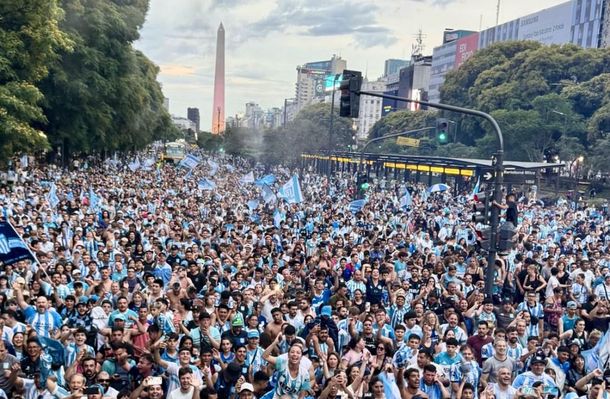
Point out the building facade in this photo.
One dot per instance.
(370, 107)
(193, 115)
(315, 79)
(394, 65)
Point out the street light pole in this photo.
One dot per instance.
(330, 124)
(498, 167)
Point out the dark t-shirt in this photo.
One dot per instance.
(512, 212)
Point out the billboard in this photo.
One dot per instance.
(549, 26)
(329, 82)
(465, 48)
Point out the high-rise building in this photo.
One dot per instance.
(580, 22)
(370, 107)
(315, 79)
(218, 111)
(394, 65)
(193, 115)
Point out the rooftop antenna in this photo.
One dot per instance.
(417, 49)
(498, 13)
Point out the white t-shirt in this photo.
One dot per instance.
(178, 394)
(509, 393)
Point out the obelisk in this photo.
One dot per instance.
(218, 112)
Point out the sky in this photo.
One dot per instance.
(267, 39)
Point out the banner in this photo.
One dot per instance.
(291, 191)
(12, 248)
(190, 161)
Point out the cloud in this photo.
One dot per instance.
(322, 18)
(177, 70)
(441, 3)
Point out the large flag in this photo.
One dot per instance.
(206, 185)
(247, 178)
(265, 180)
(53, 199)
(268, 194)
(356, 206)
(291, 191)
(12, 248)
(190, 161)
(406, 200)
(599, 356)
(94, 200)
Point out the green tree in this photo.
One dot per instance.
(29, 40)
(103, 95)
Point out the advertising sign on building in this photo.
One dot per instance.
(465, 48)
(549, 26)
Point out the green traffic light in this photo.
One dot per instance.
(442, 137)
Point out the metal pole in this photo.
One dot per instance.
(285, 105)
(498, 165)
(389, 136)
(330, 125)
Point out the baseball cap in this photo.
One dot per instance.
(253, 334)
(238, 321)
(538, 359)
(571, 305)
(246, 386)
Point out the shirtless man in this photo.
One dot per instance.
(411, 388)
(275, 327)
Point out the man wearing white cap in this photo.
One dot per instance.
(246, 391)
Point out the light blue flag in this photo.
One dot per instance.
(406, 200)
(265, 180)
(291, 191)
(53, 198)
(278, 218)
(598, 357)
(94, 200)
(248, 178)
(268, 195)
(213, 167)
(356, 206)
(252, 204)
(70, 196)
(206, 185)
(476, 188)
(190, 161)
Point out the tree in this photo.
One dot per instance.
(103, 95)
(29, 40)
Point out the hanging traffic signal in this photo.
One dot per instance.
(506, 236)
(481, 208)
(349, 103)
(485, 238)
(442, 130)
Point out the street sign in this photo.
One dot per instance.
(407, 141)
(520, 177)
(488, 176)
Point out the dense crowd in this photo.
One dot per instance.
(149, 284)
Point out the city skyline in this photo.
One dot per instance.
(270, 39)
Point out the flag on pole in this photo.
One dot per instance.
(357, 205)
(52, 197)
(190, 161)
(268, 194)
(265, 180)
(247, 178)
(12, 247)
(406, 200)
(206, 185)
(476, 188)
(291, 191)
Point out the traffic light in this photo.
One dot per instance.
(485, 238)
(481, 208)
(349, 104)
(506, 236)
(362, 185)
(442, 130)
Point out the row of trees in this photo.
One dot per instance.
(550, 101)
(70, 78)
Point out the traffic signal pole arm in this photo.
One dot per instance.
(497, 163)
(389, 136)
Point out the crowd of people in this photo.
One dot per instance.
(148, 284)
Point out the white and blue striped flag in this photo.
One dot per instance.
(406, 200)
(357, 205)
(268, 194)
(213, 167)
(94, 200)
(53, 198)
(291, 191)
(265, 180)
(190, 161)
(206, 185)
(278, 218)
